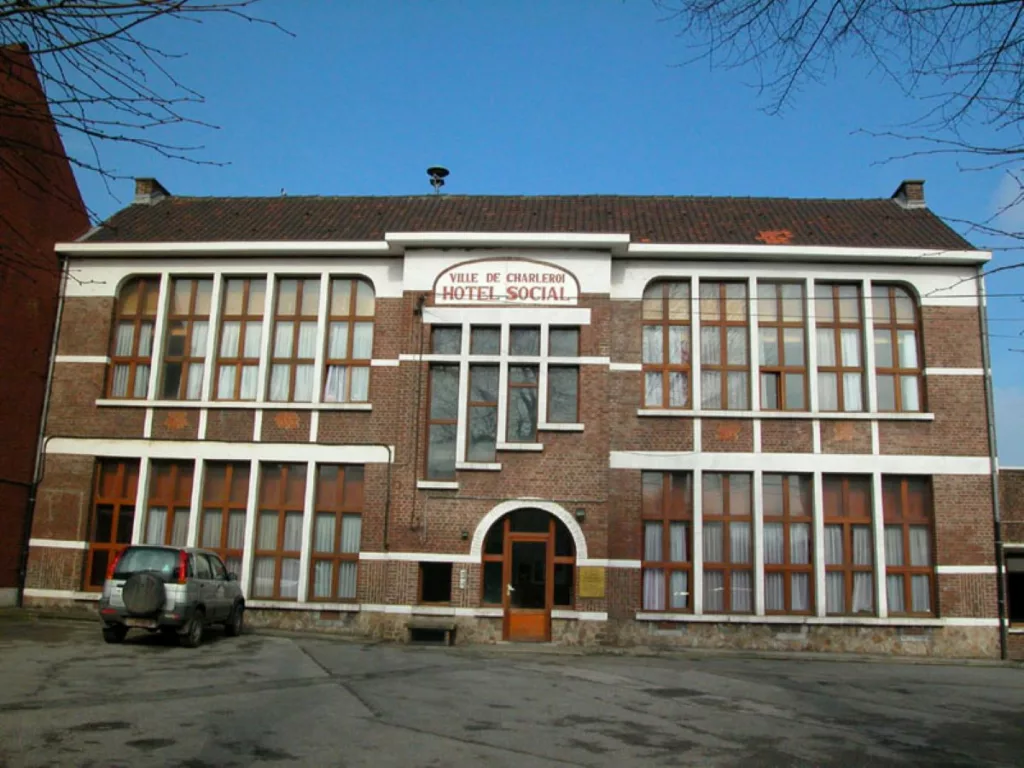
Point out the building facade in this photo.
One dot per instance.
(1011, 495)
(39, 206)
(748, 423)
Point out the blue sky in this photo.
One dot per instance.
(536, 97)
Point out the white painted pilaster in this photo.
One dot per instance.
(250, 527)
(698, 543)
(321, 347)
(307, 530)
(196, 502)
(141, 497)
(754, 347)
(878, 534)
(818, 526)
(758, 543)
(159, 331)
(869, 347)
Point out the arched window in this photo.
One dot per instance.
(897, 341)
(349, 341)
(546, 579)
(132, 339)
(666, 344)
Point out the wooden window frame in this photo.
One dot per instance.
(787, 519)
(126, 477)
(722, 325)
(837, 325)
(471, 404)
(550, 537)
(535, 386)
(145, 286)
(669, 512)
(893, 326)
(225, 506)
(296, 319)
(725, 566)
(847, 522)
(665, 323)
(340, 509)
(431, 421)
(239, 362)
(783, 369)
(279, 554)
(352, 319)
(182, 478)
(905, 519)
(186, 360)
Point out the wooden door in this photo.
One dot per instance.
(527, 592)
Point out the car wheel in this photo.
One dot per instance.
(193, 636)
(115, 634)
(235, 622)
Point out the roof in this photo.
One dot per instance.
(879, 223)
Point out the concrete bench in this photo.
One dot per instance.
(443, 625)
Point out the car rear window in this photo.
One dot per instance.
(154, 559)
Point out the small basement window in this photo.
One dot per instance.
(435, 582)
(1015, 588)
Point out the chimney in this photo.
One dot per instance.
(910, 193)
(149, 191)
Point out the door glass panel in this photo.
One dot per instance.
(563, 583)
(492, 583)
(530, 521)
(529, 562)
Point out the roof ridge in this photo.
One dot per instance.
(572, 196)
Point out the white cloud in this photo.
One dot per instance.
(1010, 425)
(1008, 191)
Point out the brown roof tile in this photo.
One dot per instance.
(713, 220)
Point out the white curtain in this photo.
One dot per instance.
(710, 346)
(714, 592)
(251, 347)
(360, 383)
(920, 546)
(652, 542)
(141, 380)
(123, 340)
(678, 392)
(679, 589)
(211, 528)
(833, 545)
(774, 592)
(736, 345)
(337, 341)
(826, 347)
(894, 545)
(119, 386)
(250, 378)
(323, 573)
(652, 344)
(236, 530)
(289, 578)
(800, 588)
(292, 532)
(714, 552)
(323, 533)
(266, 536)
(835, 593)
(849, 339)
(263, 577)
(774, 547)
(863, 599)
(145, 339)
(679, 344)
(156, 524)
(351, 533)
(307, 341)
(195, 381)
(347, 581)
(179, 534)
(283, 336)
(334, 386)
(654, 589)
(226, 382)
(907, 341)
(828, 392)
(303, 383)
(740, 541)
(739, 391)
(677, 542)
(799, 543)
(742, 588)
(863, 549)
(230, 335)
(711, 389)
(894, 593)
(653, 389)
(198, 342)
(921, 593)
(853, 398)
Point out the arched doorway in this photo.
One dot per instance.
(529, 564)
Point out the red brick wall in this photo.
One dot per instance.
(951, 337)
(963, 519)
(959, 429)
(845, 436)
(787, 436)
(1011, 504)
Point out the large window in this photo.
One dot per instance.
(909, 572)
(169, 502)
(241, 335)
(113, 516)
(279, 531)
(132, 347)
(666, 345)
(788, 571)
(724, 352)
(897, 349)
(727, 511)
(667, 511)
(839, 326)
(783, 358)
(188, 324)
(483, 413)
(522, 385)
(225, 499)
(442, 421)
(294, 342)
(563, 380)
(849, 545)
(349, 341)
(337, 529)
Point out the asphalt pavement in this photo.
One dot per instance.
(67, 699)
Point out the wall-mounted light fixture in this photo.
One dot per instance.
(465, 534)
(581, 515)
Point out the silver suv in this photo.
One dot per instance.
(172, 590)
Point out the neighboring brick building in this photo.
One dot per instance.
(481, 410)
(39, 206)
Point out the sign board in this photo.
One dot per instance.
(591, 581)
(507, 282)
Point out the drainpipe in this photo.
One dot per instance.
(30, 504)
(994, 461)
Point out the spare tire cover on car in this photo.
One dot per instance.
(143, 593)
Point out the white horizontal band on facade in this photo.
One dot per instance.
(433, 610)
(58, 544)
(283, 605)
(954, 371)
(625, 366)
(437, 485)
(824, 415)
(818, 253)
(240, 405)
(837, 463)
(92, 359)
(965, 569)
(212, 450)
(501, 315)
(478, 466)
(870, 621)
(379, 363)
(528, 447)
(61, 594)
(557, 613)
(418, 557)
(602, 563)
(543, 427)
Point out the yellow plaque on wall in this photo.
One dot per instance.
(591, 581)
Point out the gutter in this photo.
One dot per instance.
(986, 363)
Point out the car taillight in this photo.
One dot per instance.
(113, 564)
(182, 575)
